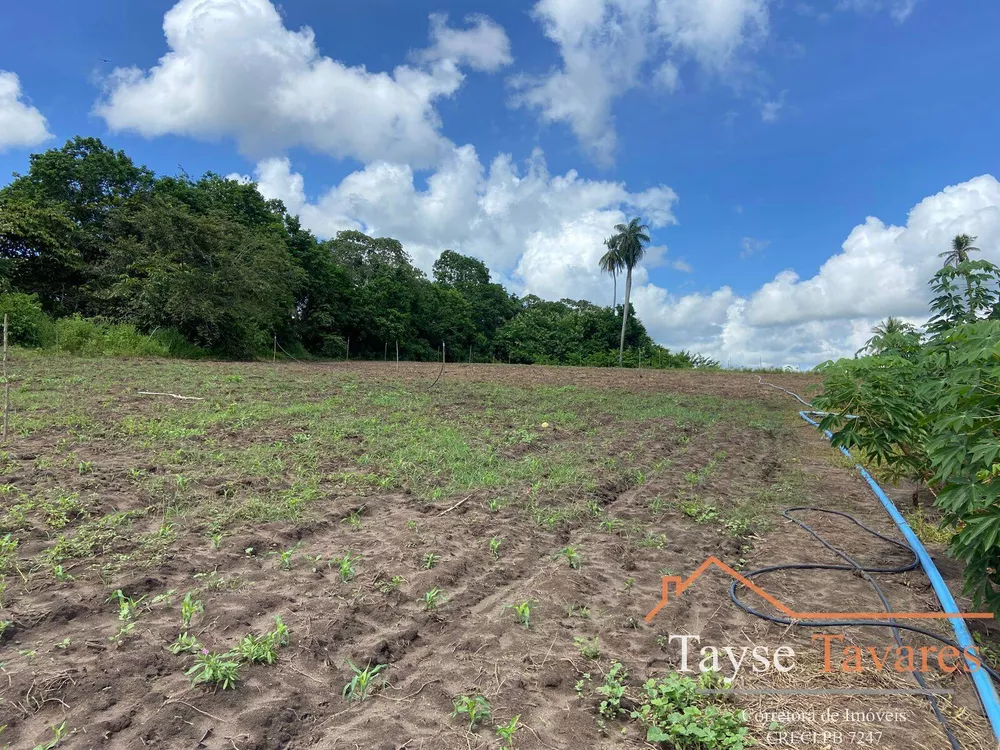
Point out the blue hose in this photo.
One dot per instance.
(981, 679)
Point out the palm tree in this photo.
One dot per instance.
(629, 242)
(611, 263)
(891, 326)
(961, 246)
(893, 336)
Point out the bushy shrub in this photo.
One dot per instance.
(93, 337)
(27, 325)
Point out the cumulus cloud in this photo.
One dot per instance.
(21, 125)
(233, 69)
(880, 270)
(483, 47)
(543, 233)
(608, 46)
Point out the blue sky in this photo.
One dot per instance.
(758, 135)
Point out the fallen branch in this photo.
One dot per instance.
(172, 395)
(449, 510)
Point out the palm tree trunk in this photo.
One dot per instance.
(614, 302)
(628, 293)
(968, 295)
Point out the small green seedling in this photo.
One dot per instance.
(257, 649)
(588, 648)
(286, 557)
(60, 573)
(495, 543)
(354, 519)
(430, 560)
(522, 612)
(345, 565)
(433, 599)
(494, 504)
(507, 731)
(64, 644)
(185, 644)
(189, 608)
(391, 585)
(475, 707)
(611, 525)
(220, 670)
(60, 733)
(571, 555)
(128, 608)
(363, 681)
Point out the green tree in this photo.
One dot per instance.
(629, 243)
(893, 336)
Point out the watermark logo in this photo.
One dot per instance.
(679, 585)
(837, 654)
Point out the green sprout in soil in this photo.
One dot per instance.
(60, 733)
(507, 731)
(185, 644)
(588, 648)
(495, 543)
(572, 557)
(219, 670)
(189, 608)
(345, 566)
(522, 612)
(433, 599)
(430, 560)
(362, 682)
(475, 707)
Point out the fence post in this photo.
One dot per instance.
(397, 355)
(274, 351)
(347, 355)
(6, 380)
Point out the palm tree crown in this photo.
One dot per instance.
(961, 246)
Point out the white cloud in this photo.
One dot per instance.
(543, 231)
(233, 69)
(881, 270)
(484, 47)
(900, 10)
(606, 47)
(752, 246)
(771, 108)
(21, 125)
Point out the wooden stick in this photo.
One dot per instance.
(6, 380)
(172, 395)
(449, 510)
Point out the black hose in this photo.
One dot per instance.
(865, 572)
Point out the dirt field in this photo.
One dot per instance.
(591, 484)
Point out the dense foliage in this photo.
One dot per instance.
(927, 406)
(98, 254)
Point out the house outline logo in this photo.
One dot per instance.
(680, 585)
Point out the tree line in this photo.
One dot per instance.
(91, 242)
(925, 405)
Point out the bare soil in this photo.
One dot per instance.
(61, 663)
